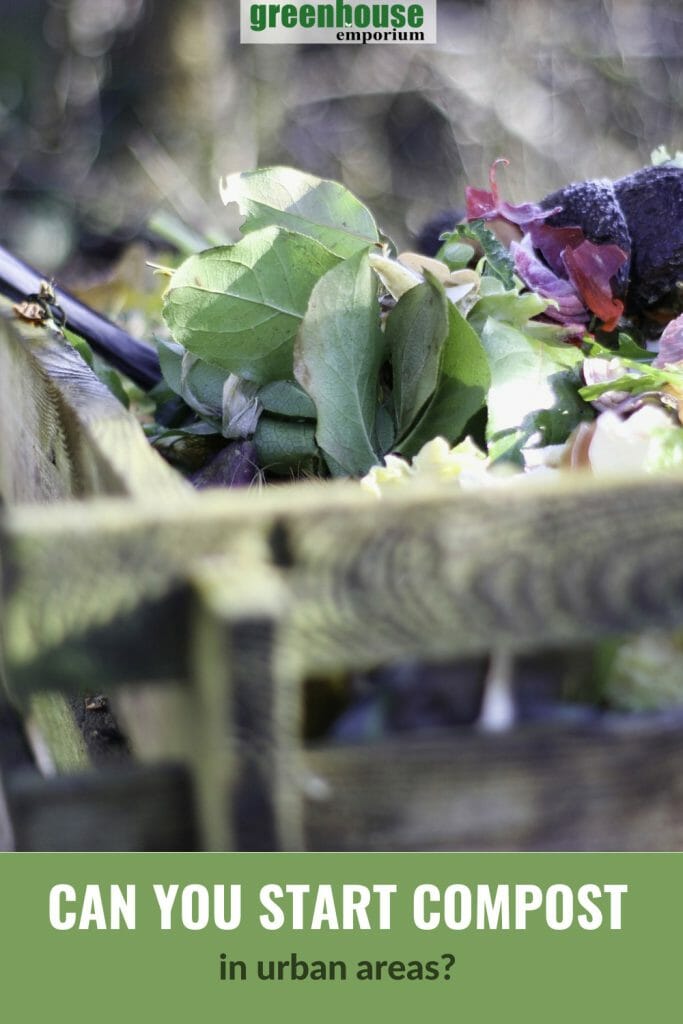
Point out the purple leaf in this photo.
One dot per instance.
(540, 278)
(670, 344)
(551, 243)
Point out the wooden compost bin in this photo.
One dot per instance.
(201, 614)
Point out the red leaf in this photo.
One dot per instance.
(590, 268)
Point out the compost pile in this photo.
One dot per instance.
(534, 338)
(331, 355)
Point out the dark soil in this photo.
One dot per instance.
(103, 736)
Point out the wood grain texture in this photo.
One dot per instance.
(50, 719)
(143, 808)
(234, 598)
(64, 436)
(612, 787)
(247, 715)
(439, 574)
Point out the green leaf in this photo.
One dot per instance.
(198, 383)
(239, 306)
(321, 209)
(461, 388)
(115, 384)
(285, 447)
(556, 424)
(456, 255)
(666, 450)
(171, 362)
(385, 428)
(498, 258)
(627, 349)
(81, 346)
(510, 306)
(285, 398)
(415, 331)
(641, 379)
(109, 377)
(337, 359)
(523, 382)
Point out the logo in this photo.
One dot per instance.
(338, 22)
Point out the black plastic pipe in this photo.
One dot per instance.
(136, 360)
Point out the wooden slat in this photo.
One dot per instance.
(50, 723)
(616, 787)
(65, 436)
(142, 808)
(247, 756)
(437, 575)
(15, 755)
(239, 595)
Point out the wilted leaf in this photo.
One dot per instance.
(321, 209)
(671, 344)
(337, 359)
(241, 408)
(394, 275)
(410, 269)
(234, 466)
(239, 306)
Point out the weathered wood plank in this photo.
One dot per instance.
(616, 787)
(15, 755)
(434, 575)
(312, 578)
(137, 808)
(51, 722)
(65, 436)
(247, 757)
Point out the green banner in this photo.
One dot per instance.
(340, 937)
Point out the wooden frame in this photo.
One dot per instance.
(202, 614)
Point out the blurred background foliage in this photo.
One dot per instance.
(111, 110)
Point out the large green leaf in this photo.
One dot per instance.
(315, 207)
(460, 391)
(239, 306)
(416, 330)
(336, 360)
(528, 377)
